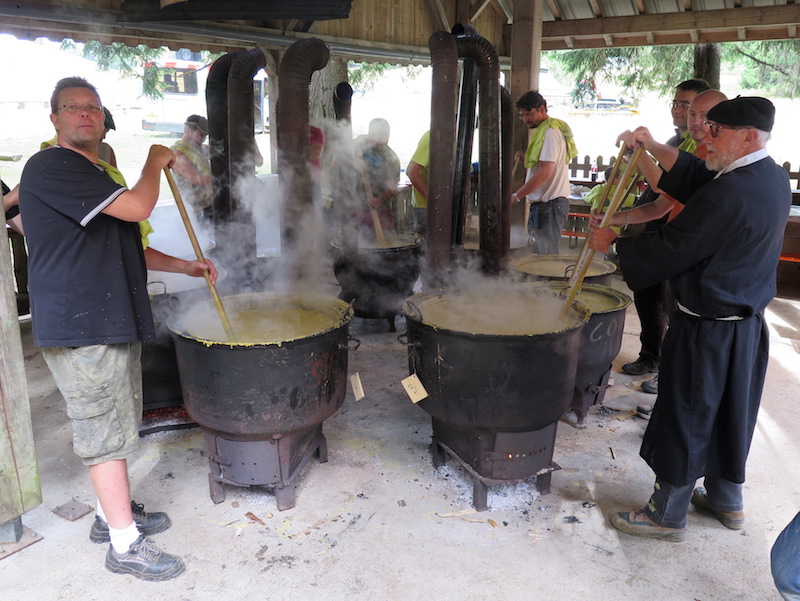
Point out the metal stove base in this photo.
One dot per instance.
(492, 458)
(582, 400)
(276, 461)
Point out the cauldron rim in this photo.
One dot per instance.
(415, 242)
(625, 300)
(582, 311)
(344, 318)
(608, 266)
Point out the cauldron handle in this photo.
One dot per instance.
(403, 339)
(417, 313)
(350, 339)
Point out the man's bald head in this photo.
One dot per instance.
(698, 109)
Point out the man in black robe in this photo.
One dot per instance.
(720, 256)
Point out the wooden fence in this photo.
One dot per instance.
(586, 172)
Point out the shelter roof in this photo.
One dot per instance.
(391, 30)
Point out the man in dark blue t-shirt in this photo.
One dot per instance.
(91, 311)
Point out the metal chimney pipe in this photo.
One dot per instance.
(300, 61)
(444, 91)
(489, 191)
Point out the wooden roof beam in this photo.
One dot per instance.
(597, 9)
(675, 22)
(477, 8)
(440, 21)
(554, 8)
(507, 11)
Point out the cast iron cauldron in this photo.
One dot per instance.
(513, 382)
(169, 293)
(254, 390)
(601, 341)
(378, 280)
(559, 267)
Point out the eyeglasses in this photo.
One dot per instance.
(713, 128)
(92, 109)
(684, 104)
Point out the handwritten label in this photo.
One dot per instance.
(414, 388)
(358, 388)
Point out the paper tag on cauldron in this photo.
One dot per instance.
(358, 388)
(414, 388)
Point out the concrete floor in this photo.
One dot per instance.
(378, 522)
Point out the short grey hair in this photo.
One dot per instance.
(69, 82)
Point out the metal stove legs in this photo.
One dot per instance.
(582, 400)
(480, 484)
(277, 461)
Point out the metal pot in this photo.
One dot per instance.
(169, 293)
(512, 382)
(256, 390)
(600, 342)
(377, 280)
(559, 267)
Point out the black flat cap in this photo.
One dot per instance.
(750, 111)
(108, 122)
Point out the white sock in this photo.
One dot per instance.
(123, 538)
(99, 511)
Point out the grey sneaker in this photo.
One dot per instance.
(144, 561)
(650, 386)
(147, 523)
(639, 367)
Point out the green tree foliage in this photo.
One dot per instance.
(128, 61)
(772, 67)
(364, 75)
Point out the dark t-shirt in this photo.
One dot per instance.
(87, 275)
(13, 211)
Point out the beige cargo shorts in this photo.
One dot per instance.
(102, 386)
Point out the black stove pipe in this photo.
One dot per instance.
(240, 232)
(444, 90)
(299, 62)
(489, 192)
(507, 115)
(217, 105)
(346, 184)
(464, 137)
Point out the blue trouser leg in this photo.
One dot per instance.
(785, 561)
(723, 495)
(669, 504)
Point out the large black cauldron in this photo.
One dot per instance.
(601, 341)
(549, 268)
(262, 403)
(377, 280)
(510, 382)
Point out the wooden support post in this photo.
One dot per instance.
(20, 489)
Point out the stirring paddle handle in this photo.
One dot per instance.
(376, 222)
(198, 252)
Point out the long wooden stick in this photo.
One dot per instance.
(601, 204)
(376, 222)
(619, 196)
(199, 253)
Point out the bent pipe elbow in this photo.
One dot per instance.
(301, 60)
(342, 101)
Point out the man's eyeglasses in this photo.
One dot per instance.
(93, 109)
(714, 128)
(684, 104)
